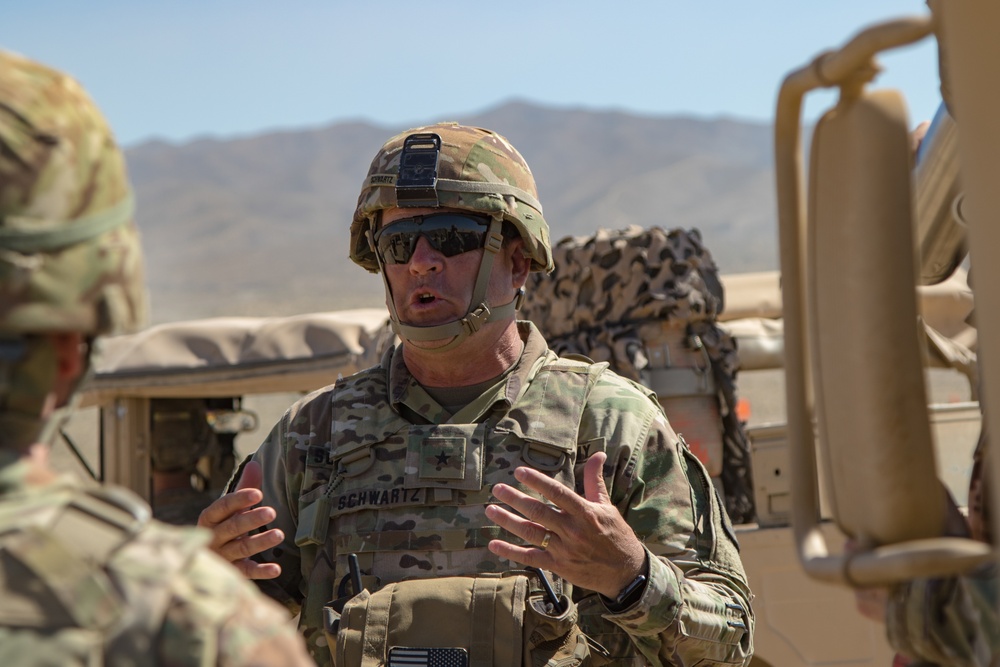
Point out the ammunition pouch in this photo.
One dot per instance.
(501, 620)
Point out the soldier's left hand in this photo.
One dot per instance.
(586, 540)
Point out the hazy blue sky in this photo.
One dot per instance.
(190, 68)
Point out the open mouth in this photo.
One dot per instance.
(425, 298)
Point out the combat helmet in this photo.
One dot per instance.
(454, 166)
(70, 257)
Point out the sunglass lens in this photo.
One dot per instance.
(451, 241)
(397, 248)
(450, 234)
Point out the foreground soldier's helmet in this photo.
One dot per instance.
(70, 258)
(460, 168)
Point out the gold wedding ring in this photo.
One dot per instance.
(545, 540)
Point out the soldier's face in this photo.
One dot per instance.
(431, 288)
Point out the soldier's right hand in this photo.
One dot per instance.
(233, 518)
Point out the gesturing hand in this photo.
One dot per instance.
(586, 541)
(232, 517)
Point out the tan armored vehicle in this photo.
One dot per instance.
(203, 390)
(171, 404)
(888, 401)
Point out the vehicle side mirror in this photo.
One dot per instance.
(871, 402)
(853, 364)
(232, 421)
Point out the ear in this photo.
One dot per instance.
(71, 357)
(520, 263)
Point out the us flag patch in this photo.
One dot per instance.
(403, 656)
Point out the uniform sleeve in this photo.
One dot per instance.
(296, 469)
(281, 493)
(695, 609)
(947, 621)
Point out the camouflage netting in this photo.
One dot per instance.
(607, 289)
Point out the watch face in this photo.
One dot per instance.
(631, 594)
(408, 656)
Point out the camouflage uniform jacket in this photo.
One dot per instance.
(87, 579)
(370, 466)
(950, 621)
(953, 620)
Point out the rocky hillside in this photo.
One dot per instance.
(258, 225)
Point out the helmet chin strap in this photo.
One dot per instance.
(475, 317)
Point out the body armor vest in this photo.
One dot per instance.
(408, 499)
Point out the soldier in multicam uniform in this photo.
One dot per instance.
(948, 620)
(85, 577)
(952, 620)
(472, 448)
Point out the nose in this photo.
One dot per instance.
(425, 258)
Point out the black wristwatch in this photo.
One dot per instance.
(628, 597)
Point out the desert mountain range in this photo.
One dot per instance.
(258, 225)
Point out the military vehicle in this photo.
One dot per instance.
(838, 338)
(206, 391)
(166, 407)
(854, 243)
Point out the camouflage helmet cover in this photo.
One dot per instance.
(470, 155)
(70, 258)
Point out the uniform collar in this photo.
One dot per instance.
(410, 399)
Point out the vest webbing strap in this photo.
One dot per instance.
(375, 634)
(484, 592)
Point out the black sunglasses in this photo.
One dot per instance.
(449, 233)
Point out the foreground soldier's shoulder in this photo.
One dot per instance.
(152, 555)
(210, 599)
(194, 607)
(210, 613)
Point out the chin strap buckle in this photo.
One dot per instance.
(475, 320)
